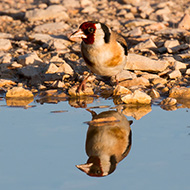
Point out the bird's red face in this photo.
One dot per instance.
(86, 32)
(89, 29)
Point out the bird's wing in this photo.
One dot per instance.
(122, 41)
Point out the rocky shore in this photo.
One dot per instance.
(37, 59)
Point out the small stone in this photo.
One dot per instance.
(175, 74)
(135, 32)
(171, 43)
(51, 12)
(124, 75)
(31, 71)
(138, 22)
(5, 82)
(139, 62)
(16, 65)
(163, 11)
(155, 27)
(179, 66)
(62, 65)
(138, 97)
(139, 81)
(154, 93)
(51, 27)
(179, 92)
(133, 2)
(159, 80)
(19, 92)
(5, 35)
(29, 59)
(188, 72)
(119, 90)
(184, 22)
(87, 92)
(89, 10)
(178, 48)
(52, 68)
(85, 3)
(147, 44)
(58, 84)
(5, 44)
(168, 101)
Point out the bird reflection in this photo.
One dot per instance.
(108, 142)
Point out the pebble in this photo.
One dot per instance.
(154, 93)
(184, 22)
(29, 59)
(171, 43)
(5, 44)
(175, 74)
(139, 62)
(168, 101)
(31, 71)
(19, 92)
(5, 35)
(5, 82)
(121, 90)
(149, 44)
(139, 81)
(179, 92)
(51, 27)
(52, 12)
(138, 97)
(87, 92)
(159, 80)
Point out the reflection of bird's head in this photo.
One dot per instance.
(95, 168)
(108, 142)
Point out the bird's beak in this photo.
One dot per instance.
(84, 167)
(78, 34)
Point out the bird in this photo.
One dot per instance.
(103, 50)
(108, 141)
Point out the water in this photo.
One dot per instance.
(39, 149)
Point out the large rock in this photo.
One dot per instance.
(139, 62)
(52, 12)
(138, 97)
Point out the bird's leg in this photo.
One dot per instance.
(117, 81)
(82, 85)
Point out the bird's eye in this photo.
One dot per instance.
(98, 171)
(91, 30)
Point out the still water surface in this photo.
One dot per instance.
(39, 149)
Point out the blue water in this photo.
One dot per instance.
(39, 149)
